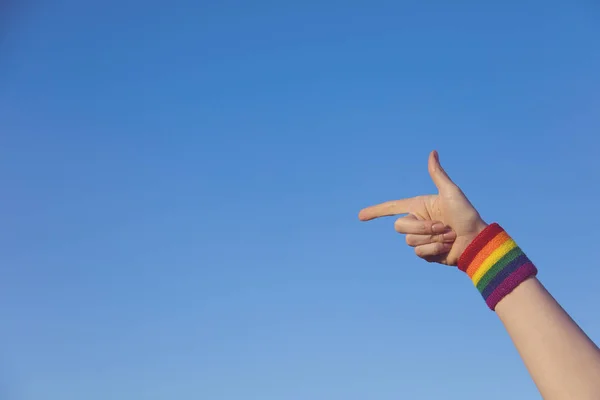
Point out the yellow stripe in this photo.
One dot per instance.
(493, 259)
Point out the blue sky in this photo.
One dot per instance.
(181, 184)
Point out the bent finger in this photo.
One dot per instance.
(411, 225)
(419, 240)
(432, 249)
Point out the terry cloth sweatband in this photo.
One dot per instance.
(495, 264)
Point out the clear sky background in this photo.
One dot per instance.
(181, 182)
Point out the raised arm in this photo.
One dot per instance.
(563, 362)
(445, 228)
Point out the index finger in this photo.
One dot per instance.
(385, 209)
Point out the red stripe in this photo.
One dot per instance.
(477, 245)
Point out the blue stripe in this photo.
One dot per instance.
(502, 275)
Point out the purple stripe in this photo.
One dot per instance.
(503, 274)
(510, 283)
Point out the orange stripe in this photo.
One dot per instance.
(492, 245)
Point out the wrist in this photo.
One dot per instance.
(495, 264)
(479, 227)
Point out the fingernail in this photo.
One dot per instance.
(438, 227)
(451, 235)
(447, 246)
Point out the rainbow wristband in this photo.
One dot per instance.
(495, 264)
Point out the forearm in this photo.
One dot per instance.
(563, 362)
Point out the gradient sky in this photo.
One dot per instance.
(181, 182)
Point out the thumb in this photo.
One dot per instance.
(440, 178)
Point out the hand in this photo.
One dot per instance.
(429, 218)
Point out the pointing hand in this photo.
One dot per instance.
(439, 226)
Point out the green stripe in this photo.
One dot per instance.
(499, 266)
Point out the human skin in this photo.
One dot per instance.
(562, 360)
